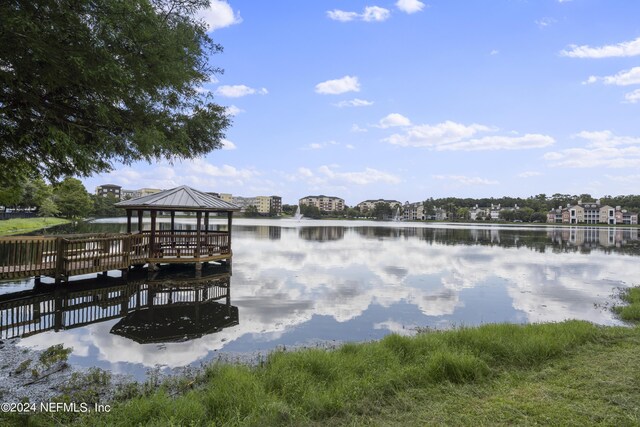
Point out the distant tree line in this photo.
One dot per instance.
(68, 198)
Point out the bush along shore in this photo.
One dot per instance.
(568, 373)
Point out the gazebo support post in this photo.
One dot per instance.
(152, 236)
(140, 212)
(198, 241)
(173, 222)
(129, 212)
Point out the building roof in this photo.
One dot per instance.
(179, 198)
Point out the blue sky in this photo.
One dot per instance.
(408, 100)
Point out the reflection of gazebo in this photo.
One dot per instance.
(178, 322)
(179, 246)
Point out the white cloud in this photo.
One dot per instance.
(629, 48)
(545, 22)
(375, 14)
(454, 136)
(219, 15)
(356, 102)
(350, 147)
(228, 145)
(497, 142)
(494, 52)
(320, 145)
(328, 175)
(369, 14)
(528, 174)
(632, 97)
(623, 78)
(465, 180)
(342, 16)
(232, 110)
(338, 86)
(435, 135)
(368, 176)
(410, 6)
(237, 91)
(603, 149)
(393, 120)
(356, 128)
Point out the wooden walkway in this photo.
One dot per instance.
(64, 256)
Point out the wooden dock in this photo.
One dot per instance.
(61, 257)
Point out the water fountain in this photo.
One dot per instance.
(397, 216)
(297, 215)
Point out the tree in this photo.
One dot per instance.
(310, 211)
(36, 191)
(72, 198)
(463, 213)
(87, 83)
(104, 206)
(48, 208)
(10, 195)
(251, 211)
(382, 210)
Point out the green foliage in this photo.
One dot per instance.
(251, 211)
(104, 81)
(631, 311)
(48, 208)
(54, 354)
(382, 211)
(72, 198)
(11, 192)
(103, 206)
(310, 211)
(319, 386)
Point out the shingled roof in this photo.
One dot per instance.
(178, 198)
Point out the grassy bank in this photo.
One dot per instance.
(15, 226)
(570, 373)
(630, 311)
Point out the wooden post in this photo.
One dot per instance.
(173, 222)
(140, 212)
(152, 236)
(59, 259)
(198, 242)
(229, 216)
(129, 212)
(206, 221)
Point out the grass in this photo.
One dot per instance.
(570, 373)
(631, 311)
(15, 226)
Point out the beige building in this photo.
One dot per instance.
(592, 213)
(324, 203)
(368, 205)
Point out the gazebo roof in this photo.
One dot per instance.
(179, 198)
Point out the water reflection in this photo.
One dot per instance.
(302, 282)
(166, 306)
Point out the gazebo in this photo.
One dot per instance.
(180, 246)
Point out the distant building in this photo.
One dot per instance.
(481, 213)
(413, 211)
(368, 205)
(264, 204)
(324, 203)
(106, 189)
(592, 213)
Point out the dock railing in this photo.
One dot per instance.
(69, 255)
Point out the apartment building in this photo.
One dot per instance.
(481, 213)
(413, 211)
(368, 205)
(324, 203)
(106, 189)
(592, 213)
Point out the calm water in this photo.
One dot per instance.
(302, 283)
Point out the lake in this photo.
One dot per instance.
(307, 283)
